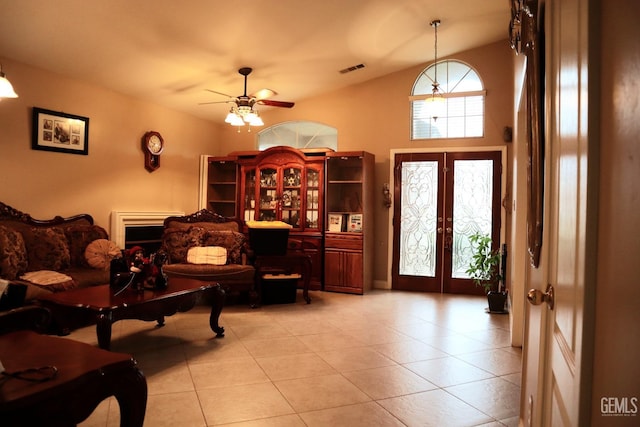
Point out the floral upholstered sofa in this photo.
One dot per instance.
(53, 255)
(209, 247)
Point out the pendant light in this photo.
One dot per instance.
(435, 102)
(6, 89)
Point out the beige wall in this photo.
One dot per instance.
(375, 116)
(112, 176)
(372, 116)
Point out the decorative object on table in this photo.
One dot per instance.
(119, 274)
(152, 145)
(138, 272)
(61, 132)
(484, 270)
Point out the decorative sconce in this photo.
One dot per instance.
(386, 195)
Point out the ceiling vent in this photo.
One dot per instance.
(352, 68)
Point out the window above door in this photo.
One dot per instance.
(463, 115)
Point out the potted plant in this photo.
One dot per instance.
(484, 270)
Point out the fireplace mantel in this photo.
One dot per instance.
(120, 220)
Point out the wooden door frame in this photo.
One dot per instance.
(449, 149)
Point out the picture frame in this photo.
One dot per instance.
(336, 222)
(355, 223)
(60, 132)
(532, 44)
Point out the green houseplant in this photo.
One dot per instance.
(484, 270)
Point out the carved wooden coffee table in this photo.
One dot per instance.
(100, 306)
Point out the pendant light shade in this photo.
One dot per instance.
(6, 89)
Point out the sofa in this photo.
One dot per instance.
(53, 255)
(210, 247)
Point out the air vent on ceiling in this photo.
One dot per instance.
(352, 68)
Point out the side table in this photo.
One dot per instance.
(85, 376)
(264, 263)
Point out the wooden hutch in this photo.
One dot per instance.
(326, 196)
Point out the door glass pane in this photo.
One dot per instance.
(472, 203)
(418, 218)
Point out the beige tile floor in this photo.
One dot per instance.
(387, 358)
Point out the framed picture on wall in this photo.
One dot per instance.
(61, 132)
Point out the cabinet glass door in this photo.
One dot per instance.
(250, 195)
(268, 194)
(291, 196)
(312, 199)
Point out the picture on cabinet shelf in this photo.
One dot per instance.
(286, 198)
(336, 222)
(355, 222)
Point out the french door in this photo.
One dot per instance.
(440, 200)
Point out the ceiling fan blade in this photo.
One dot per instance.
(219, 93)
(216, 102)
(264, 94)
(272, 103)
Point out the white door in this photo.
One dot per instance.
(557, 367)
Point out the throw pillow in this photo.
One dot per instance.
(231, 240)
(79, 236)
(178, 241)
(52, 280)
(13, 254)
(47, 249)
(216, 255)
(100, 252)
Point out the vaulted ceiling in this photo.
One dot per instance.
(170, 52)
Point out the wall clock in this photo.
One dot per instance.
(152, 145)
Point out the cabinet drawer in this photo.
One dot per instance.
(343, 243)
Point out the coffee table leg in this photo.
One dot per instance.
(216, 309)
(130, 389)
(103, 330)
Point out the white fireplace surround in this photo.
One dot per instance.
(120, 220)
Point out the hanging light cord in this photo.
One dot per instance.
(435, 24)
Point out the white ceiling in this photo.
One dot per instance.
(170, 51)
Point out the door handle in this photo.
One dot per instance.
(537, 297)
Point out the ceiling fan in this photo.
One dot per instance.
(243, 112)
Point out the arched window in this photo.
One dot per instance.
(299, 134)
(463, 115)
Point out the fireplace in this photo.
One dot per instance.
(143, 229)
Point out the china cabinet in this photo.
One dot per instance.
(311, 191)
(348, 249)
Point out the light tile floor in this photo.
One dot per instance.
(387, 358)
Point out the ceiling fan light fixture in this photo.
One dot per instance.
(256, 120)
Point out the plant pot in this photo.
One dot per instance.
(497, 301)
